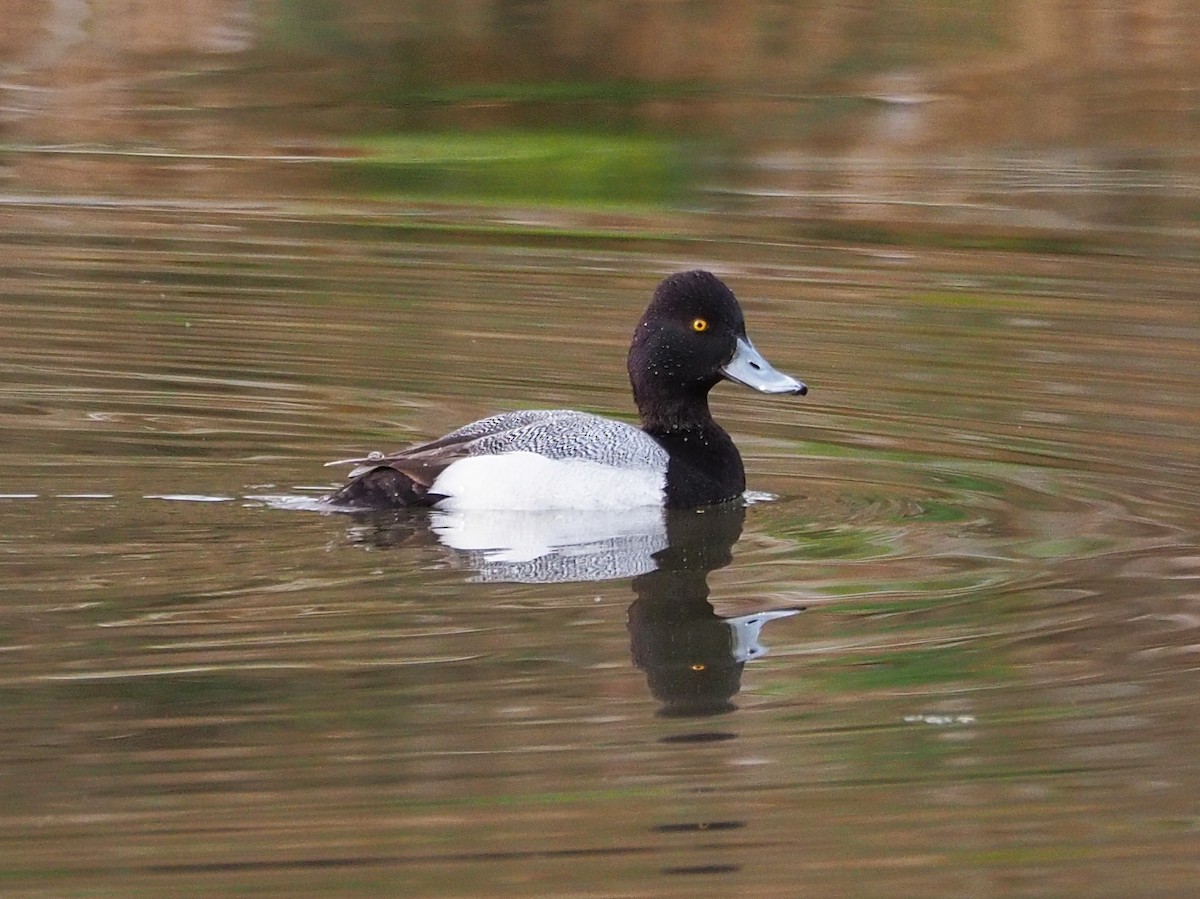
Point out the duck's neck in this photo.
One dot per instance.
(676, 416)
(704, 444)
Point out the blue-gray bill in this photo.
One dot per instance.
(749, 368)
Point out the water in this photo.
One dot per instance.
(986, 508)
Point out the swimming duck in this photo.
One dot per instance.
(692, 336)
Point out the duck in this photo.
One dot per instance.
(691, 337)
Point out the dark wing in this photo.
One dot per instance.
(423, 462)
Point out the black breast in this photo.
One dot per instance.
(705, 467)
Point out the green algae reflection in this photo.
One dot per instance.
(601, 170)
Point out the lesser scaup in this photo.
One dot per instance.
(691, 336)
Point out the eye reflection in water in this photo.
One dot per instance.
(692, 657)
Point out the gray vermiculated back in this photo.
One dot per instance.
(565, 434)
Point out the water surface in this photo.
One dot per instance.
(986, 506)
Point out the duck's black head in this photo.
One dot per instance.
(692, 335)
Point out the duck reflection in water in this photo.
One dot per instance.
(693, 658)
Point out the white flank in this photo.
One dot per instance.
(529, 481)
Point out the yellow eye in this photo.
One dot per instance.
(699, 325)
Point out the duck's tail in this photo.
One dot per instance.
(379, 489)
